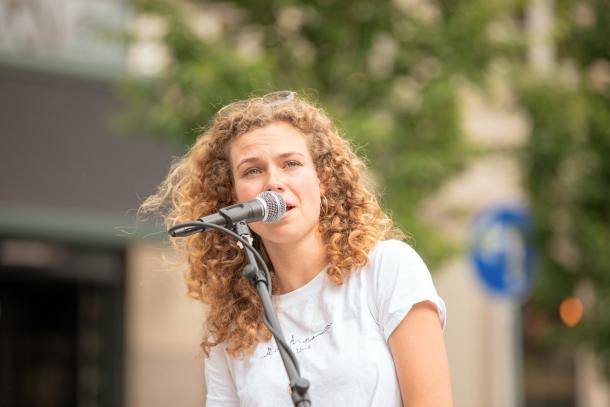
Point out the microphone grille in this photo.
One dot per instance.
(274, 204)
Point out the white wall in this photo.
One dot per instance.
(163, 332)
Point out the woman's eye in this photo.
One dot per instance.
(252, 171)
(292, 163)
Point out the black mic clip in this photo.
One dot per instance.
(225, 214)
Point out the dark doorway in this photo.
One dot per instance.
(61, 326)
(39, 337)
(549, 369)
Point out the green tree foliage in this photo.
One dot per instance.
(387, 71)
(567, 165)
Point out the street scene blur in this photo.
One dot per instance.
(485, 125)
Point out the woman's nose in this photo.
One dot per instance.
(274, 182)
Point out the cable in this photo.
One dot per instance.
(202, 226)
(280, 341)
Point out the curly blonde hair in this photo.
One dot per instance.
(351, 220)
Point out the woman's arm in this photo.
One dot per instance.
(420, 358)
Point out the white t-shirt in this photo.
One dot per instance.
(339, 335)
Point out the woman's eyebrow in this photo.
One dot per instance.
(290, 153)
(255, 159)
(246, 160)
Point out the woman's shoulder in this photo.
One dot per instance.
(395, 256)
(397, 278)
(392, 248)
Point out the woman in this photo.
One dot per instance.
(360, 311)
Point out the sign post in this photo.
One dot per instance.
(503, 258)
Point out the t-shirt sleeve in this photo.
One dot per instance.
(398, 279)
(219, 382)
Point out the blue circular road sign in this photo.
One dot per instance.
(501, 251)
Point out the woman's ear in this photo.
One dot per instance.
(233, 196)
(322, 183)
(232, 187)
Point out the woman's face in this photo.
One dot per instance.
(276, 158)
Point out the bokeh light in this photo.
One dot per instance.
(571, 311)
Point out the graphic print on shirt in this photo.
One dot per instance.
(299, 345)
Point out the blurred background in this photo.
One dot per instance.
(486, 125)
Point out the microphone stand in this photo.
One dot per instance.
(241, 232)
(298, 385)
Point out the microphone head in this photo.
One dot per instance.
(275, 206)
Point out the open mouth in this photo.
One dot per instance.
(289, 206)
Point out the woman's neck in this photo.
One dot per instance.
(298, 263)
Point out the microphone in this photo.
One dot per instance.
(268, 206)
